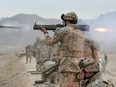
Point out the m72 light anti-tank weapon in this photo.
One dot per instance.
(53, 27)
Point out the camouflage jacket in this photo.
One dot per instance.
(97, 81)
(91, 49)
(71, 45)
(42, 51)
(29, 50)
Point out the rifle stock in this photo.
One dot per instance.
(50, 70)
(53, 27)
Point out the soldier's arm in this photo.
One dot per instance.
(95, 48)
(58, 35)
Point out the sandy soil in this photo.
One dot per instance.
(110, 72)
(12, 72)
(15, 73)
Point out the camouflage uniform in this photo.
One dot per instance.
(102, 63)
(72, 47)
(41, 52)
(55, 56)
(91, 49)
(36, 53)
(89, 66)
(29, 53)
(52, 78)
(43, 55)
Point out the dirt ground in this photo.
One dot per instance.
(15, 73)
(12, 72)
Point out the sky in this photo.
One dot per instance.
(85, 9)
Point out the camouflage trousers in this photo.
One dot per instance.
(68, 80)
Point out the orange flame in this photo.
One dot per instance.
(102, 30)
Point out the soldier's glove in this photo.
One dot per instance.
(44, 30)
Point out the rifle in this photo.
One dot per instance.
(46, 73)
(53, 27)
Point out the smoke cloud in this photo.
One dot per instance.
(106, 39)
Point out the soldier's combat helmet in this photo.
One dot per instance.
(89, 65)
(70, 16)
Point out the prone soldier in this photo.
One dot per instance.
(91, 74)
